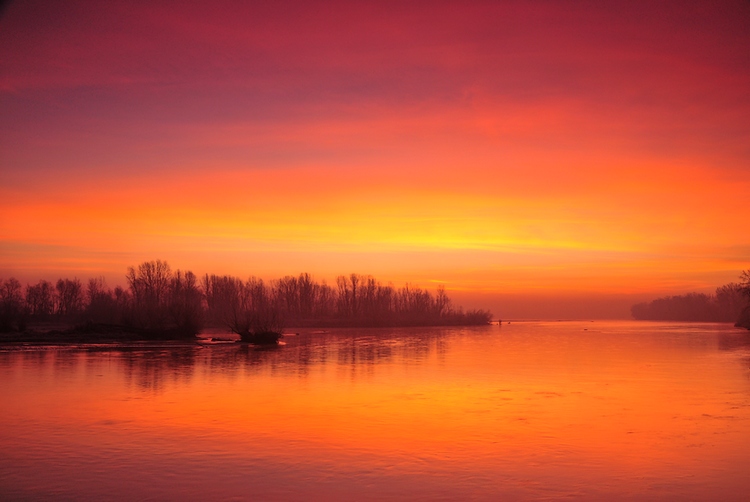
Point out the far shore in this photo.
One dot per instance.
(62, 334)
(57, 333)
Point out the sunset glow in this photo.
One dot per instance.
(391, 414)
(587, 150)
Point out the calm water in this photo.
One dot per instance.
(577, 410)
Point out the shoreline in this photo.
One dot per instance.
(59, 335)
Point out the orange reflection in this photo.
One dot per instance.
(615, 405)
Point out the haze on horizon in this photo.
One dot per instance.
(547, 159)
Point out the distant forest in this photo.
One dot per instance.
(161, 303)
(730, 303)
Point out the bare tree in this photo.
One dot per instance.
(40, 299)
(307, 290)
(228, 302)
(101, 307)
(289, 295)
(325, 300)
(442, 302)
(11, 305)
(745, 282)
(744, 318)
(251, 309)
(266, 316)
(69, 297)
(344, 297)
(149, 286)
(185, 303)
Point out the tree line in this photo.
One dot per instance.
(162, 302)
(729, 303)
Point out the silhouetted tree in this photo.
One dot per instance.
(744, 318)
(344, 300)
(442, 302)
(40, 300)
(729, 301)
(745, 282)
(287, 289)
(361, 300)
(723, 306)
(249, 309)
(307, 289)
(161, 303)
(185, 303)
(102, 308)
(149, 287)
(266, 316)
(11, 306)
(69, 297)
(228, 302)
(325, 301)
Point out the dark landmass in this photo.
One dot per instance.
(88, 333)
(163, 305)
(55, 333)
(744, 320)
(730, 303)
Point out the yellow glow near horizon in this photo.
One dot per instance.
(504, 160)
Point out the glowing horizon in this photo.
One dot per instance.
(497, 149)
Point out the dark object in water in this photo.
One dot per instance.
(261, 338)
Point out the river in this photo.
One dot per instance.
(522, 411)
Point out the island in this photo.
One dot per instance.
(161, 304)
(729, 303)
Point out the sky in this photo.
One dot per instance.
(540, 159)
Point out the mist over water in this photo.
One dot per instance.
(553, 306)
(548, 410)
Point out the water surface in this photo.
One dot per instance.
(532, 411)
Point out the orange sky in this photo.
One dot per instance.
(594, 152)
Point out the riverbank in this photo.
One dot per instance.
(53, 333)
(59, 333)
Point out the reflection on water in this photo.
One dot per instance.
(524, 411)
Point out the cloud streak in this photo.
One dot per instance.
(591, 146)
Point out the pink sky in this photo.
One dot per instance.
(595, 153)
